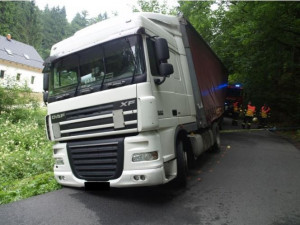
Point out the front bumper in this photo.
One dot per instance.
(152, 177)
(144, 173)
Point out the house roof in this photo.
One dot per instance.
(19, 52)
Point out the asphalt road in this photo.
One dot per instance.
(253, 180)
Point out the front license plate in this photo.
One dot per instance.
(96, 186)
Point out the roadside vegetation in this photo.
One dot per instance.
(25, 153)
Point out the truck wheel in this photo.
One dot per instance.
(191, 160)
(182, 164)
(217, 139)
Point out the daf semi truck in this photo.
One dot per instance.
(132, 101)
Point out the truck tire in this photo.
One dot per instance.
(191, 159)
(217, 139)
(182, 164)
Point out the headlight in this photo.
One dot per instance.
(146, 156)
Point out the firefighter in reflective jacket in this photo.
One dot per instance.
(264, 115)
(250, 112)
(235, 113)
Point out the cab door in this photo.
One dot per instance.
(171, 95)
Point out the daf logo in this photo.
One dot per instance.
(57, 116)
(127, 103)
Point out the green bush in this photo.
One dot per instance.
(13, 97)
(23, 146)
(26, 162)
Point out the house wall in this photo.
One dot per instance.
(26, 73)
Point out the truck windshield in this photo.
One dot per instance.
(103, 66)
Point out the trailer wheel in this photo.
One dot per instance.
(182, 164)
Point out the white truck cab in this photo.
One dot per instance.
(125, 104)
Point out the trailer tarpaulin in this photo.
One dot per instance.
(211, 75)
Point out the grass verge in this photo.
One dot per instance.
(26, 162)
(20, 189)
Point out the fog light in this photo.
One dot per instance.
(61, 177)
(59, 161)
(139, 177)
(146, 156)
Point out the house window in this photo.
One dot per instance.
(18, 76)
(32, 79)
(2, 74)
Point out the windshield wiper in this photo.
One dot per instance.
(102, 82)
(76, 89)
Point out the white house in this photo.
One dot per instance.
(20, 64)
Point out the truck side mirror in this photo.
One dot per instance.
(162, 55)
(46, 82)
(45, 97)
(161, 49)
(165, 69)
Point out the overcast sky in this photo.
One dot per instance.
(94, 7)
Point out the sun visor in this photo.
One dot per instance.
(80, 42)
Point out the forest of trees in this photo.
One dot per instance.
(41, 28)
(258, 42)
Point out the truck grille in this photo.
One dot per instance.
(99, 119)
(98, 160)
